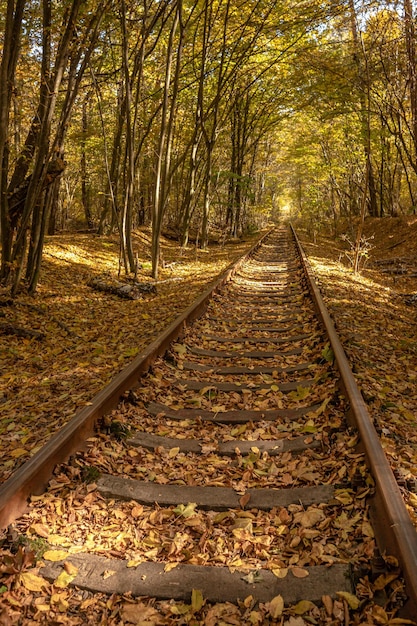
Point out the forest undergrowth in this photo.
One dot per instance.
(374, 312)
(84, 337)
(88, 336)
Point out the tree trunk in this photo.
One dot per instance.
(85, 190)
(364, 91)
(10, 53)
(165, 139)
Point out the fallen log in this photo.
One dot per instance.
(129, 291)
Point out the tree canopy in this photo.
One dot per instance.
(200, 118)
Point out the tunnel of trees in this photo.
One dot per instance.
(200, 117)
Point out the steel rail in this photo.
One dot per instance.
(390, 515)
(32, 477)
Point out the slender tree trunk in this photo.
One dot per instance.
(85, 190)
(165, 140)
(364, 91)
(9, 57)
(126, 214)
(207, 199)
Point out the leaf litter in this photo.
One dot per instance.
(89, 336)
(73, 517)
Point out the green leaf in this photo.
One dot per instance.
(327, 353)
(186, 511)
(352, 600)
(197, 600)
(303, 606)
(300, 394)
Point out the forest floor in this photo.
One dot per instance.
(375, 315)
(88, 336)
(85, 336)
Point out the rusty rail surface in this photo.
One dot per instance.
(32, 477)
(390, 516)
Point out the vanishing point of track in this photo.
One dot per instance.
(246, 412)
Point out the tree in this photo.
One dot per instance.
(29, 194)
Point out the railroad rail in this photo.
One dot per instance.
(235, 456)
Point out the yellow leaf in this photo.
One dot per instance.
(173, 452)
(17, 452)
(58, 540)
(108, 573)
(55, 555)
(352, 600)
(367, 529)
(197, 600)
(169, 566)
(32, 582)
(134, 562)
(276, 606)
(343, 496)
(87, 603)
(382, 581)
(413, 499)
(60, 599)
(280, 572)
(64, 579)
(186, 511)
(57, 597)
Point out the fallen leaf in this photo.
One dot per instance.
(244, 500)
(309, 518)
(39, 529)
(303, 606)
(33, 582)
(299, 572)
(280, 572)
(197, 600)
(352, 600)
(55, 555)
(139, 613)
(186, 511)
(276, 606)
(170, 566)
(64, 579)
(295, 621)
(70, 568)
(18, 452)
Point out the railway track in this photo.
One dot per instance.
(241, 477)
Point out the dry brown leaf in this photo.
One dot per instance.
(299, 572)
(243, 501)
